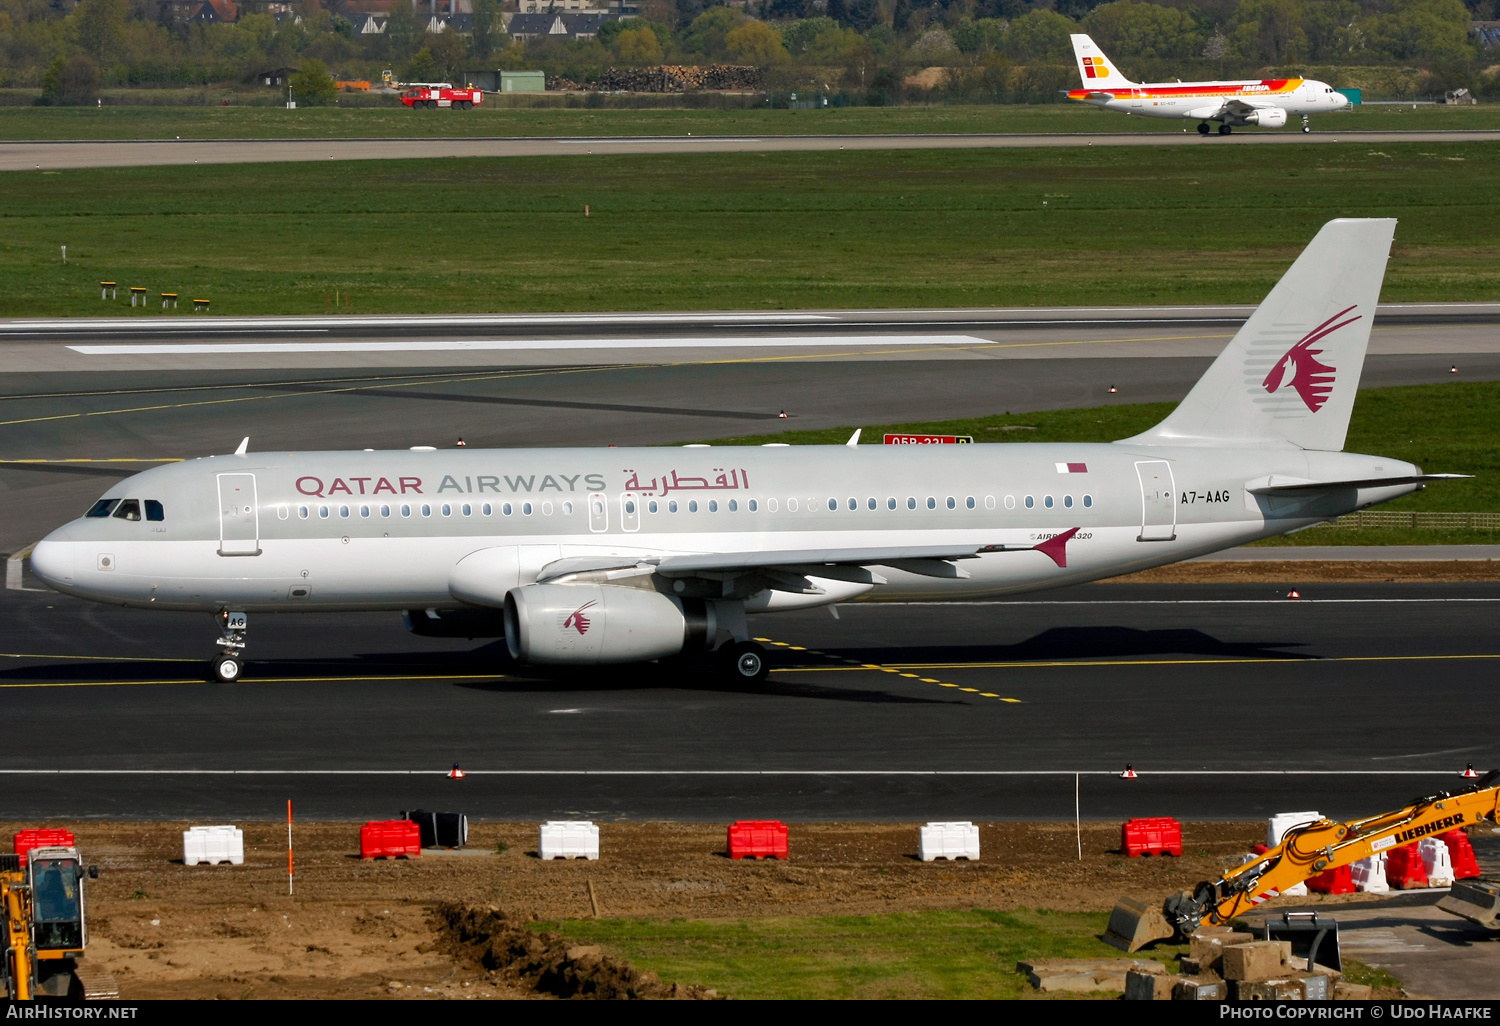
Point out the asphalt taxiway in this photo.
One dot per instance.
(1230, 702)
(47, 156)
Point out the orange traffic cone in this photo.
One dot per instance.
(1113, 389)
(1294, 593)
(781, 415)
(455, 773)
(1129, 773)
(1469, 772)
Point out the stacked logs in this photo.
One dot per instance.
(669, 78)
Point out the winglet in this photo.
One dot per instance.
(854, 438)
(244, 446)
(1056, 547)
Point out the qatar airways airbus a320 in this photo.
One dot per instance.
(603, 555)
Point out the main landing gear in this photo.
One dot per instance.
(1225, 129)
(1203, 128)
(1306, 125)
(743, 662)
(227, 666)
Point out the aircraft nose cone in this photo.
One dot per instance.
(52, 561)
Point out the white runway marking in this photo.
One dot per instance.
(518, 345)
(399, 321)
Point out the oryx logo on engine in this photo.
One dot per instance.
(577, 620)
(1300, 368)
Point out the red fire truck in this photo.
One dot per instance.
(433, 95)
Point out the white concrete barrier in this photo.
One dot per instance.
(1437, 861)
(569, 839)
(1369, 875)
(1279, 824)
(213, 845)
(1276, 828)
(948, 841)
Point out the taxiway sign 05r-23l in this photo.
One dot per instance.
(589, 556)
(1266, 102)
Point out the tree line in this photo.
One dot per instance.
(995, 49)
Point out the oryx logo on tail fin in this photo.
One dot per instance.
(1299, 366)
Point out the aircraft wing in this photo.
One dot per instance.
(926, 560)
(1240, 107)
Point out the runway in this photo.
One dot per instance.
(52, 156)
(1231, 702)
(188, 342)
(72, 421)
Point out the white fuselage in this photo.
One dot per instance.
(1200, 101)
(385, 530)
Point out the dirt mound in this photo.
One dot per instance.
(547, 963)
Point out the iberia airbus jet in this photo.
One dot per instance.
(1265, 102)
(589, 556)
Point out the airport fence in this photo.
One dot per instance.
(1367, 519)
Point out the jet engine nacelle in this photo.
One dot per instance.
(1267, 117)
(600, 623)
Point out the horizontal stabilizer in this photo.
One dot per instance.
(1276, 483)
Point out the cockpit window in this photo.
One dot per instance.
(130, 509)
(102, 508)
(154, 510)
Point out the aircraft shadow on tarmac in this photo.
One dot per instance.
(1058, 644)
(1084, 644)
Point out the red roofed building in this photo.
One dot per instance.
(217, 10)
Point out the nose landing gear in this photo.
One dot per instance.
(1306, 126)
(227, 666)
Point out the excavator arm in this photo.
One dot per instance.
(1303, 852)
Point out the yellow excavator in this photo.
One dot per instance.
(1307, 851)
(46, 928)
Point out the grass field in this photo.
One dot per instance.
(911, 955)
(500, 119)
(743, 231)
(943, 954)
(1452, 428)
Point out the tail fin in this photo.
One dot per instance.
(1291, 372)
(1096, 70)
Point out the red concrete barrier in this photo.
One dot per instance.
(1155, 835)
(42, 837)
(1338, 880)
(1465, 865)
(390, 839)
(758, 839)
(1403, 868)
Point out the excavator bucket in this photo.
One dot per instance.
(1134, 924)
(1478, 901)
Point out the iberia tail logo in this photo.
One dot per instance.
(577, 620)
(1300, 368)
(1094, 67)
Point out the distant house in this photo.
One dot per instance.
(217, 10)
(275, 77)
(368, 24)
(558, 26)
